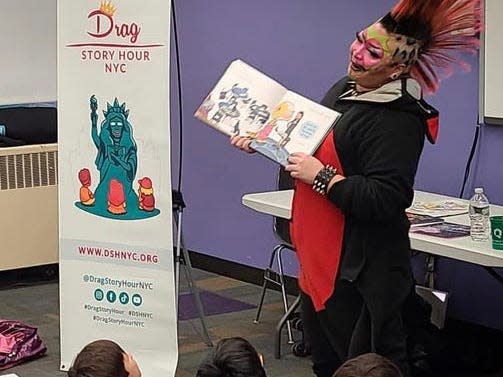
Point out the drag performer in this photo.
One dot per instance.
(348, 217)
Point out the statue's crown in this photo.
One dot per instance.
(116, 109)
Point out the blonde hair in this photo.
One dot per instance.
(146, 191)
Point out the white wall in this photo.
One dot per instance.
(28, 51)
(492, 67)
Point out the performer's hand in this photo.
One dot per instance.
(242, 143)
(303, 167)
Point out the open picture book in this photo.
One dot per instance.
(247, 102)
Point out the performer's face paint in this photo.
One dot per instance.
(375, 55)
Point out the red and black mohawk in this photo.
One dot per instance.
(442, 28)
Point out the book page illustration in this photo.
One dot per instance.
(296, 125)
(241, 102)
(248, 103)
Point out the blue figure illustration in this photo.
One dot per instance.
(116, 156)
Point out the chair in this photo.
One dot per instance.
(282, 232)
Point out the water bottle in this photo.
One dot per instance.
(478, 211)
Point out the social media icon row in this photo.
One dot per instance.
(123, 297)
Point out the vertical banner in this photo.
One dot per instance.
(116, 244)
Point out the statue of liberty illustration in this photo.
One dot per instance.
(116, 156)
(116, 161)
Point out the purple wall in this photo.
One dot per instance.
(303, 44)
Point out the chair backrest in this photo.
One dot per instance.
(281, 225)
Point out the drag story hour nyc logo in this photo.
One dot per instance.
(113, 40)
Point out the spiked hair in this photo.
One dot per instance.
(442, 28)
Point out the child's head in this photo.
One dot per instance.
(232, 357)
(104, 358)
(368, 365)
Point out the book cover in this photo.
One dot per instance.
(423, 220)
(247, 102)
(443, 230)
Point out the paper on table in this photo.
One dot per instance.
(439, 208)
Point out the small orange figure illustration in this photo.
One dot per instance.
(116, 198)
(86, 195)
(146, 197)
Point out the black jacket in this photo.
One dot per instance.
(379, 140)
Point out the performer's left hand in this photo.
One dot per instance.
(303, 167)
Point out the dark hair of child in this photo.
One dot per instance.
(368, 365)
(232, 357)
(101, 358)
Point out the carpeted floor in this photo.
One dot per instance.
(213, 304)
(34, 300)
(229, 305)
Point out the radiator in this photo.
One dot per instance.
(29, 206)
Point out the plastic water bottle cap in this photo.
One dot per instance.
(479, 190)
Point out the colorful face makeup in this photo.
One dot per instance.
(369, 60)
(369, 47)
(375, 54)
(376, 35)
(375, 43)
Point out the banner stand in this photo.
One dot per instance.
(116, 254)
(182, 257)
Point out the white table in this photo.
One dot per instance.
(278, 203)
